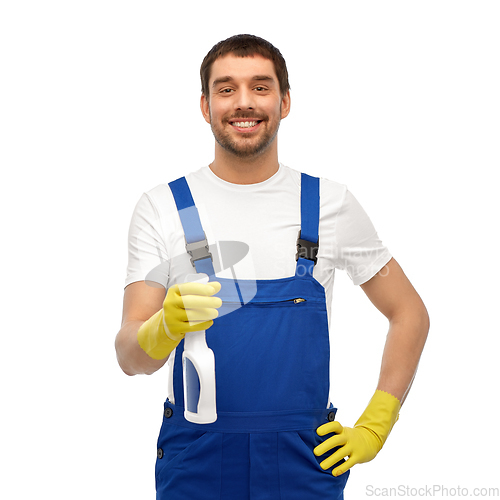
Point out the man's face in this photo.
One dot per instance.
(245, 105)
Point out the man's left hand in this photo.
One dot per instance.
(362, 442)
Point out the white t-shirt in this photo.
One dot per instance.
(265, 217)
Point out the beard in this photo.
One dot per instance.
(247, 145)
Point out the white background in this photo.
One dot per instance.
(99, 102)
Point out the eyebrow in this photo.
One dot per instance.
(256, 78)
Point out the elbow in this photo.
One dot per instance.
(126, 369)
(130, 366)
(425, 321)
(413, 319)
(131, 358)
(121, 357)
(127, 372)
(421, 322)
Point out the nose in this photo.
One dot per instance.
(245, 99)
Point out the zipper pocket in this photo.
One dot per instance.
(297, 300)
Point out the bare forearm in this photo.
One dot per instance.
(131, 358)
(403, 348)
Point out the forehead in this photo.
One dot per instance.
(244, 68)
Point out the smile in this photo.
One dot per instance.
(246, 125)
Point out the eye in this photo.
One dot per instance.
(260, 89)
(225, 91)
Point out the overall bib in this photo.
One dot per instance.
(272, 383)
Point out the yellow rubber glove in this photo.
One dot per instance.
(363, 442)
(187, 307)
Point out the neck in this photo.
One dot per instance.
(236, 170)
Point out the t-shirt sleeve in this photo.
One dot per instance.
(147, 256)
(359, 250)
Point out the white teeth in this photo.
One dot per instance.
(244, 124)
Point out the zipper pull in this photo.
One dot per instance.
(296, 301)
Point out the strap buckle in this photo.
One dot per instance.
(307, 249)
(198, 250)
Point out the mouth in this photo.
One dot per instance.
(246, 125)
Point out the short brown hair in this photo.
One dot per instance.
(245, 46)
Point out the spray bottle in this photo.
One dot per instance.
(198, 366)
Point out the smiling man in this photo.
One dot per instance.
(276, 434)
(244, 107)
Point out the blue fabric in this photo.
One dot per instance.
(205, 266)
(272, 374)
(188, 212)
(271, 353)
(250, 456)
(190, 220)
(309, 206)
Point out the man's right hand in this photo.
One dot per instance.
(190, 307)
(187, 307)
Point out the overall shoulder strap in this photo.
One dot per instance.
(197, 244)
(196, 240)
(308, 240)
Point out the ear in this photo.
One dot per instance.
(285, 105)
(205, 108)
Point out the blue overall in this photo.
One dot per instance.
(272, 385)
